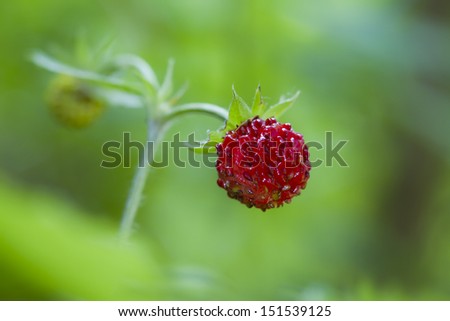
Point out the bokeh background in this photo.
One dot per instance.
(376, 73)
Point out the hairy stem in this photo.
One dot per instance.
(210, 109)
(156, 128)
(135, 194)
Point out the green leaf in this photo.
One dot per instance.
(167, 85)
(278, 109)
(258, 104)
(102, 53)
(239, 112)
(178, 94)
(117, 98)
(144, 69)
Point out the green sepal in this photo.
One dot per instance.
(209, 146)
(280, 108)
(258, 104)
(217, 136)
(167, 86)
(239, 112)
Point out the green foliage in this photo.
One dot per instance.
(59, 250)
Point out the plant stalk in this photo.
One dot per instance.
(155, 130)
(133, 202)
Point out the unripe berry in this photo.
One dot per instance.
(73, 102)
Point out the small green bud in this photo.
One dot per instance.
(73, 102)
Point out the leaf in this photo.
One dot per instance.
(103, 51)
(178, 94)
(117, 98)
(238, 113)
(278, 109)
(167, 85)
(144, 69)
(258, 104)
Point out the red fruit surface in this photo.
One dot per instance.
(263, 163)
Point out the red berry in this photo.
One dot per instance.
(263, 163)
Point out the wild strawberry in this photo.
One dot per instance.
(73, 102)
(263, 163)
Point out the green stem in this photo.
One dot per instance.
(135, 194)
(51, 64)
(156, 129)
(210, 109)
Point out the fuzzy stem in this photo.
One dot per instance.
(156, 128)
(210, 109)
(135, 194)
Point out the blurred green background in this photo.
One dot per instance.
(376, 73)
